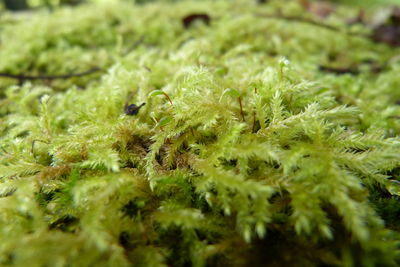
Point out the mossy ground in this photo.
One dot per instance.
(259, 145)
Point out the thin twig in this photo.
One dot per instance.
(49, 77)
(241, 107)
(339, 71)
(309, 21)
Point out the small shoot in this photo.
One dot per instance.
(45, 117)
(234, 93)
(283, 62)
(160, 92)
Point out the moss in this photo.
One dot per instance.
(256, 145)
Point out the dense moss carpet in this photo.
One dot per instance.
(269, 135)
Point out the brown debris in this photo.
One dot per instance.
(53, 172)
(322, 9)
(339, 71)
(387, 34)
(389, 31)
(190, 19)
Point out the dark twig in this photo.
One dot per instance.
(49, 77)
(339, 71)
(299, 19)
(309, 21)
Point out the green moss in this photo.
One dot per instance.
(247, 155)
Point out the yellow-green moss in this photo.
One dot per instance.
(258, 158)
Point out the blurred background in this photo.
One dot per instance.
(18, 5)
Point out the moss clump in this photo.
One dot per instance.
(248, 152)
